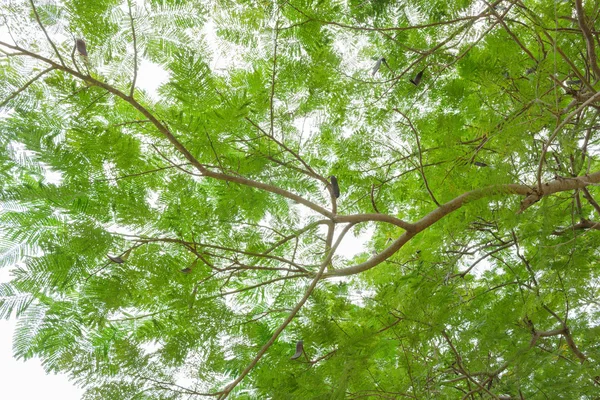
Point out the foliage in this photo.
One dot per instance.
(472, 193)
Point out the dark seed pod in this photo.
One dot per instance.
(299, 350)
(116, 260)
(417, 78)
(334, 186)
(80, 45)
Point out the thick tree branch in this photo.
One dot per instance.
(559, 185)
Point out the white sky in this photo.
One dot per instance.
(28, 380)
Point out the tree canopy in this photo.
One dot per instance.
(188, 242)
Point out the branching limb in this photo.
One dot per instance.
(295, 235)
(164, 130)
(309, 171)
(374, 218)
(558, 185)
(556, 131)
(465, 272)
(590, 199)
(309, 290)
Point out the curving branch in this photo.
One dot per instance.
(558, 185)
(389, 29)
(39, 21)
(420, 153)
(375, 218)
(589, 101)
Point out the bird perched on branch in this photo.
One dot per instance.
(334, 186)
(417, 78)
(299, 350)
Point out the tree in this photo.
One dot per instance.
(461, 135)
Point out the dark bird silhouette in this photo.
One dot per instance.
(417, 78)
(80, 45)
(480, 164)
(186, 270)
(334, 186)
(299, 350)
(116, 260)
(378, 65)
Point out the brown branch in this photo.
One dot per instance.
(375, 218)
(193, 245)
(585, 224)
(373, 199)
(553, 136)
(329, 242)
(309, 171)
(180, 389)
(281, 278)
(462, 368)
(453, 205)
(139, 173)
(567, 335)
(590, 199)
(465, 272)
(39, 21)
(294, 235)
(394, 29)
(515, 38)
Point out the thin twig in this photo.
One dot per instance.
(39, 21)
(412, 127)
(223, 394)
(135, 54)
